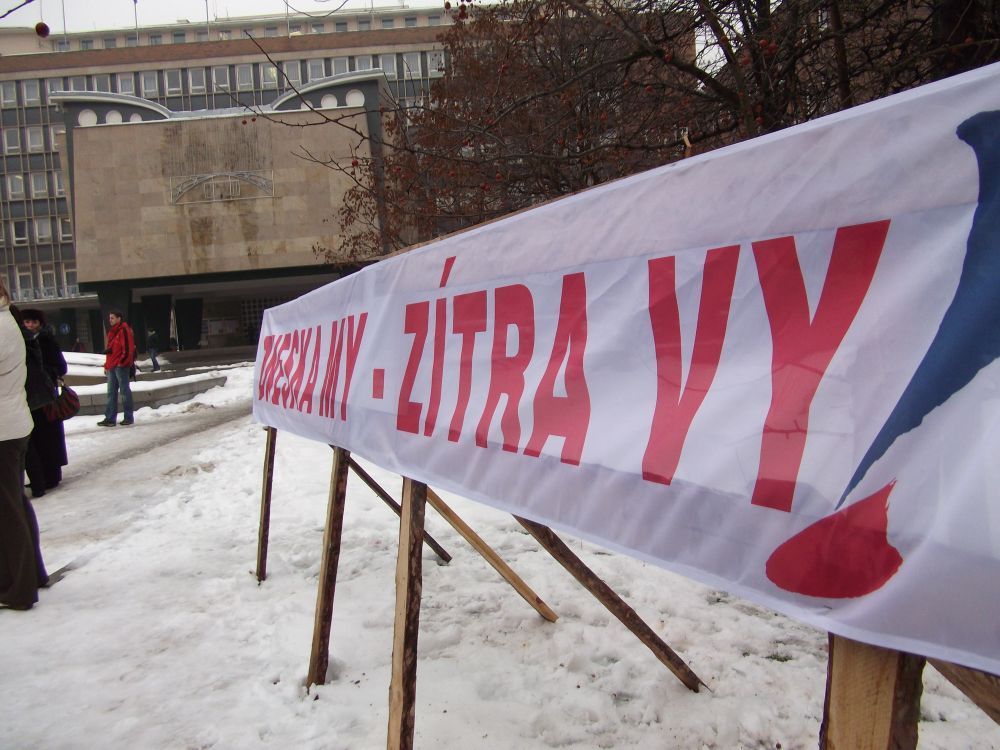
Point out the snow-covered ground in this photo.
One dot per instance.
(161, 637)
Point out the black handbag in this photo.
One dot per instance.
(66, 405)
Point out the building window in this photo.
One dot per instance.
(244, 77)
(388, 64)
(31, 91)
(196, 80)
(48, 272)
(54, 84)
(268, 76)
(150, 84)
(102, 82)
(433, 20)
(62, 45)
(39, 185)
(435, 63)
(86, 44)
(411, 65)
(270, 31)
(388, 23)
(19, 232)
(317, 28)
(155, 39)
(201, 36)
(410, 22)
(316, 69)
(340, 65)
(225, 34)
(220, 78)
(15, 186)
(25, 280)
(43, 231)
(364, 24)
(55, 131)
(11, 141)
(179, 37)
(69, 278)
(131, 40)
(110, 43)
(295, 28)
(36, 138)
(247, 34)
(66, 232)
(126, 84)
(172, 80)
(292, 72)
(340, 26)
(363, 62)
(8, 94)
(57, 181)
(78, 83)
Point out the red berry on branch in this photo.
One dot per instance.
(354, 162)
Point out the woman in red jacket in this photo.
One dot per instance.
(119, 354)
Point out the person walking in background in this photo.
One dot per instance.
(153, 347)
(119, 355)
(47, 446)
(22, 569)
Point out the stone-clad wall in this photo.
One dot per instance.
(134, 219)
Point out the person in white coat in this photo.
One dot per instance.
(22, 570)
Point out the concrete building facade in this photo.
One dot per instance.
(130, 179)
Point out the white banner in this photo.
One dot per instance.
(770, 368)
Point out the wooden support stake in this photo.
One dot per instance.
(403, 686)
(982, 688)
(386, 498)
(615, 604)
(265, 504)
(872, 698)
(490, 556)
(319, 658)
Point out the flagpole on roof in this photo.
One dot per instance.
(135, 14)
(65, 40)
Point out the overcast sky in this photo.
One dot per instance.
(87, 15)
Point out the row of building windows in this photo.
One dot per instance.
(31, 139)
(180, 36)
(43, 281)
(42, 230)
(41, 184)
(153, 83)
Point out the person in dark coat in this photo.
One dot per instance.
(47, 447)
(153, 347)
(22, 570)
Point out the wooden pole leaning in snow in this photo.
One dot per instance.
(614, 603)
(409, 586)
(265, 504)
(319, 657)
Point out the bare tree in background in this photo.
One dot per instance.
(542, 99)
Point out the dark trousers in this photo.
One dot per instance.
(22, 569)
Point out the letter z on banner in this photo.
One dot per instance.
(772, 368)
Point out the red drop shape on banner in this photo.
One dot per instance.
(841, 556)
